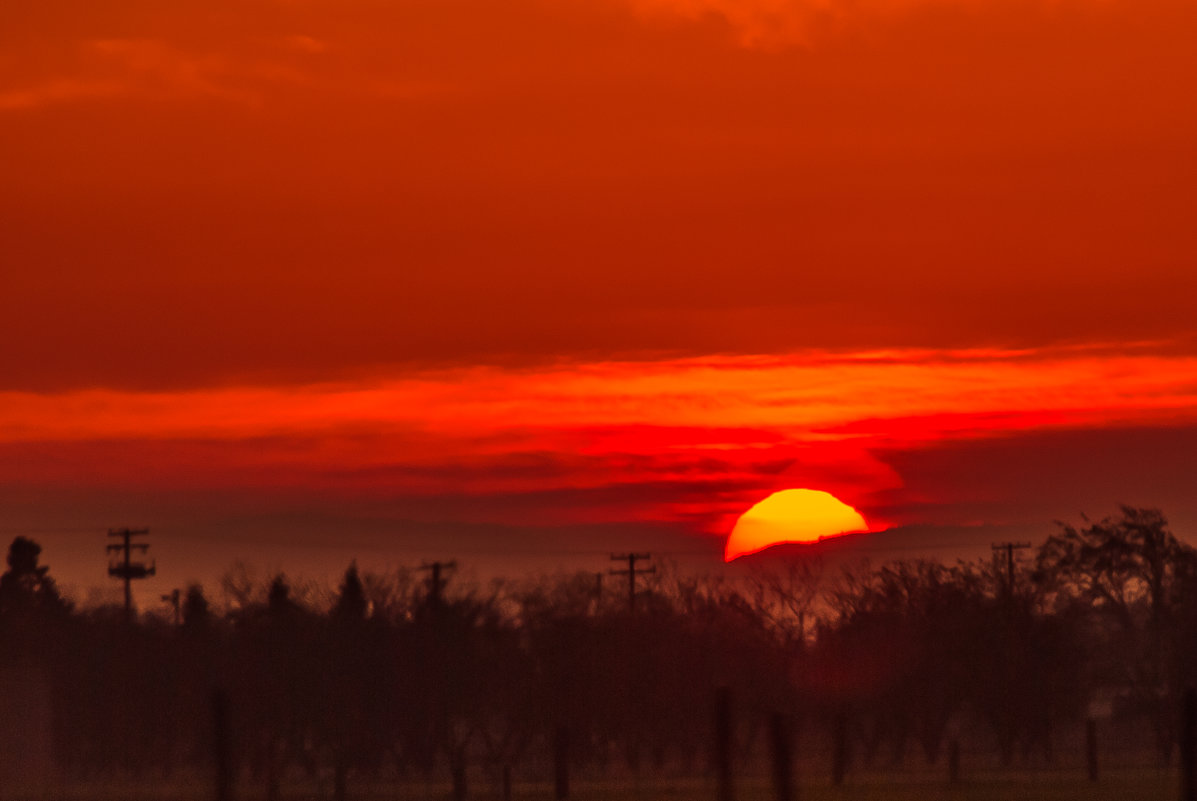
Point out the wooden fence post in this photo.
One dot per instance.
(723, 744)
(458, 768)
(222, 746)
(839, 746)
(561, 763)
(783, 774)
(1188, 746)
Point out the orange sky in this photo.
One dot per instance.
(547, 265)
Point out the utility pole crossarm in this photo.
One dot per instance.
(631, 572)
(126, 568)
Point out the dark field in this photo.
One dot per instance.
(1125, 784)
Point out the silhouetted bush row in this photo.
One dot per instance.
(397, 675)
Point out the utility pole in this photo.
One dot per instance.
(632, 572)
(1009, 548)
(125, 568)
(436, 584)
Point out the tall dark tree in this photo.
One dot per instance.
(26, 587)
(1126, 569)
(197, 614)
(276, 663)
(1123, 566)
(351, 724)
(351, 603)
(278, 598)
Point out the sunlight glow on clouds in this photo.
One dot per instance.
(699, 436)
(706, 249)
(823, 396)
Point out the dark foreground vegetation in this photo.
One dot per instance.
(914, 668)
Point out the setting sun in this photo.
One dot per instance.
(793, 515)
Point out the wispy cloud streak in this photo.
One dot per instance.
(919, 393)
(728, 427)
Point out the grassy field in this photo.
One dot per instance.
(1128, 785)
(1120, 785)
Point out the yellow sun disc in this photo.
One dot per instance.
(793, 515)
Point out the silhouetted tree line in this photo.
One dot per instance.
(390, 674)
